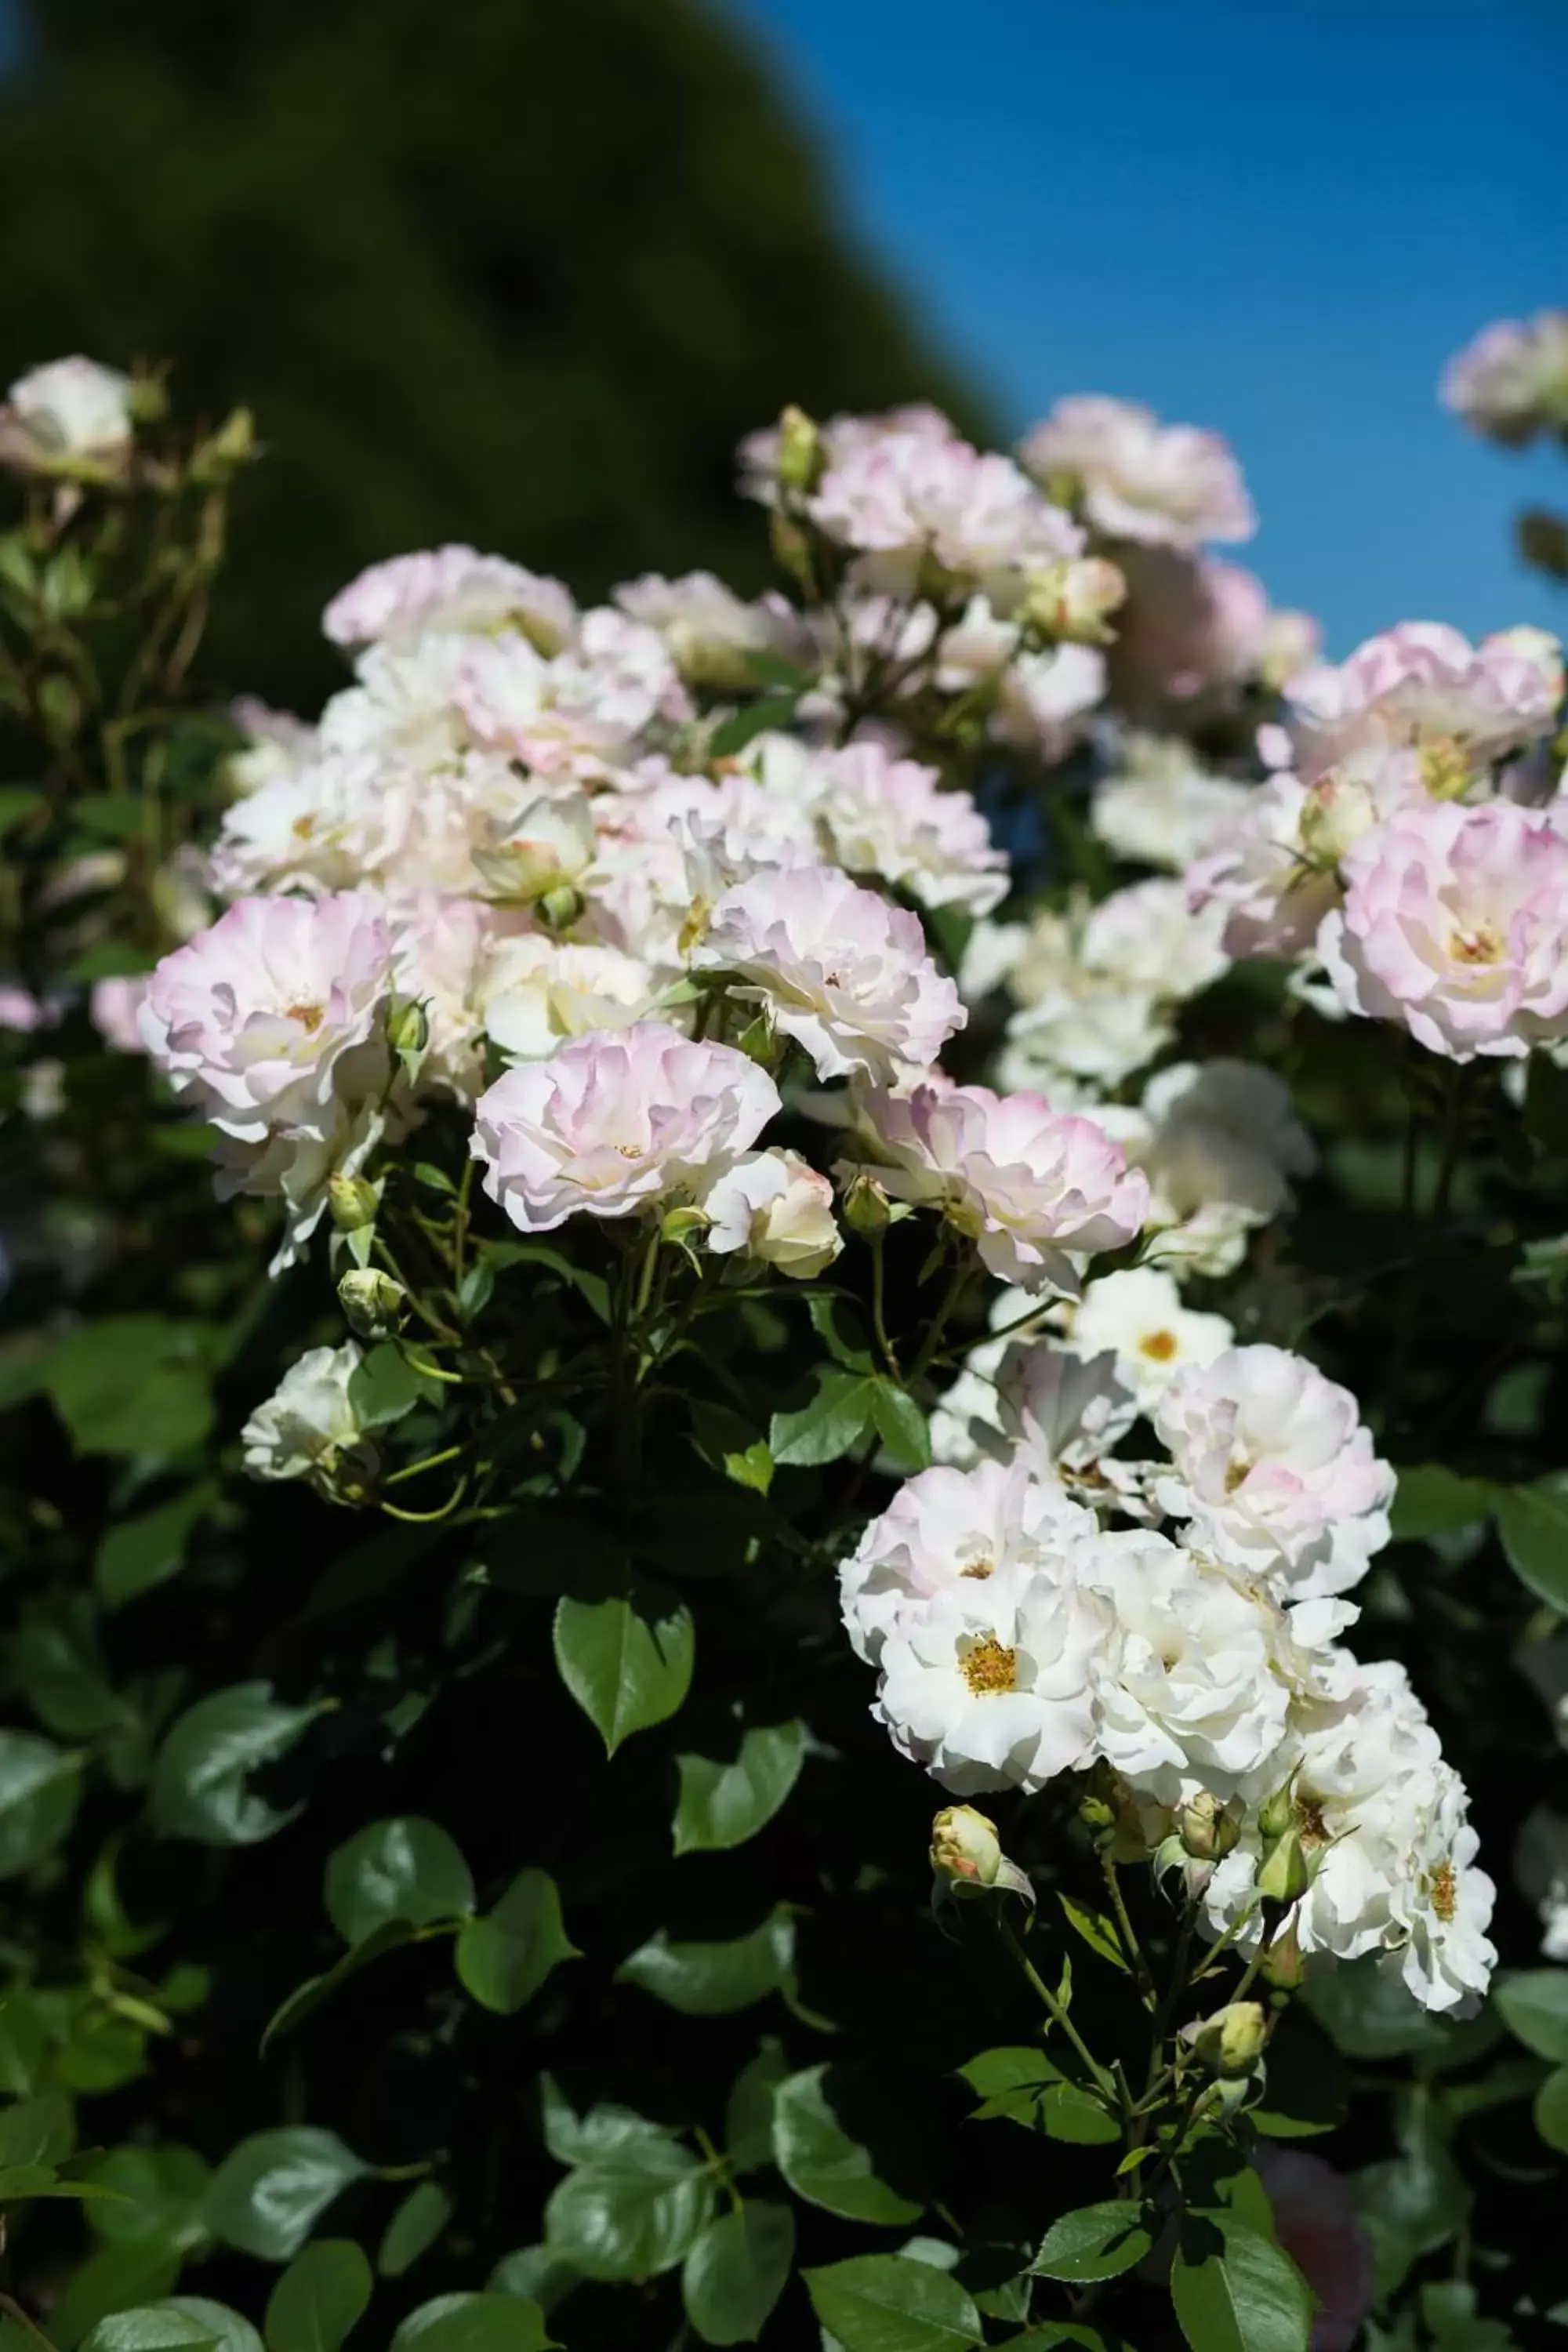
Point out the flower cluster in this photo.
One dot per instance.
(1017, 1636)
(1511, 382)
(1410, 852)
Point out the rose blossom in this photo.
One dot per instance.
(262, 1019)
(710, 632)
(308, 1428)
(69, 410)
(775, 1206)
(896, 819)
(1421, 684)
(1024, 1182)
(1316, 2220)
(842, 972)
(449, 588)
(1138, 1317)
(616, 1123)
(1456, 923)
(1273, 1469)
(1186, 1696)
(1168, 485)
(908, 497)
(1511, 382)
(945, 1529)
(1159, 807)
(114, 1009)
(535, 993)
(993, 1687)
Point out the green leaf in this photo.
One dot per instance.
(626, 1658)
(714, 1980)
(1432, 1500)
(1097, 2241)
(269, 2193)
(592, 1287)
(902, 1426)
(1533, 2005)
(728, 1443)
(474, 2323)
(17, 801)
(737, 2271)
(309, 1996)
(749, 2110)
(200, 1780)
(159, 2194)
(839, 1415)
(733, 734)
(505, 1956)
(414, 2228)
(885, 2303)
(1370, 2015)
(1241, 2294)
(385, 1386)
(36, 2131)
(1096, 1930)
(406, 1868)
(1550, 2110)
(116, 2278)
(844, 1342)
(819, 2147)
(631, 2213)
(40, 1788)
(136, 1555)
(1410, 2204)
(180, 2323)
(320, 2299)
(1305, 2090)
(722, 1805)
(1533, 1524)
(127, 1384)
(603, 2131)
(1022, 2084)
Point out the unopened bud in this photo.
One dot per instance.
(1278, 1813)
(225, 451)
(1284, 1964)
(353, 1201)
(1230, 2042)
(966, 1856)
(867, 1210)
(407, 1026)
(1209, 1829)
(560, 907)
(1072, 600)
(681, 1225)
(374, 1305)
(146, 400)
(800, 450)
(791, 550)
(1285, 1873)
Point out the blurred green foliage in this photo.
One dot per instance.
(515, 271)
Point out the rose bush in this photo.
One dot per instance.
(681, 1230)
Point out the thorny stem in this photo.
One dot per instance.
(1053, 2007)
(878, 1305)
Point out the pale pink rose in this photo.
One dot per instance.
(1190, 628)
(1024, 1182)
(1455, 923)
(910, 497)
(443, 949)
(263, 1019)
(896, 819)
(1317, 2222)
(22, 1012)
(449, 588)
(68, 414)
(775, 1206)
(842, 972)
(1421, 684)
(1168, 485)
(583, 711)
(114, 1008)
(617, 1123)
(1273, 1469)
(1045, 698)
(842, 436)
(1511, 382)
(710, 632)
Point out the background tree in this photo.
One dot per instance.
(515, 272)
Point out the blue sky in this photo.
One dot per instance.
(1277, 217)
